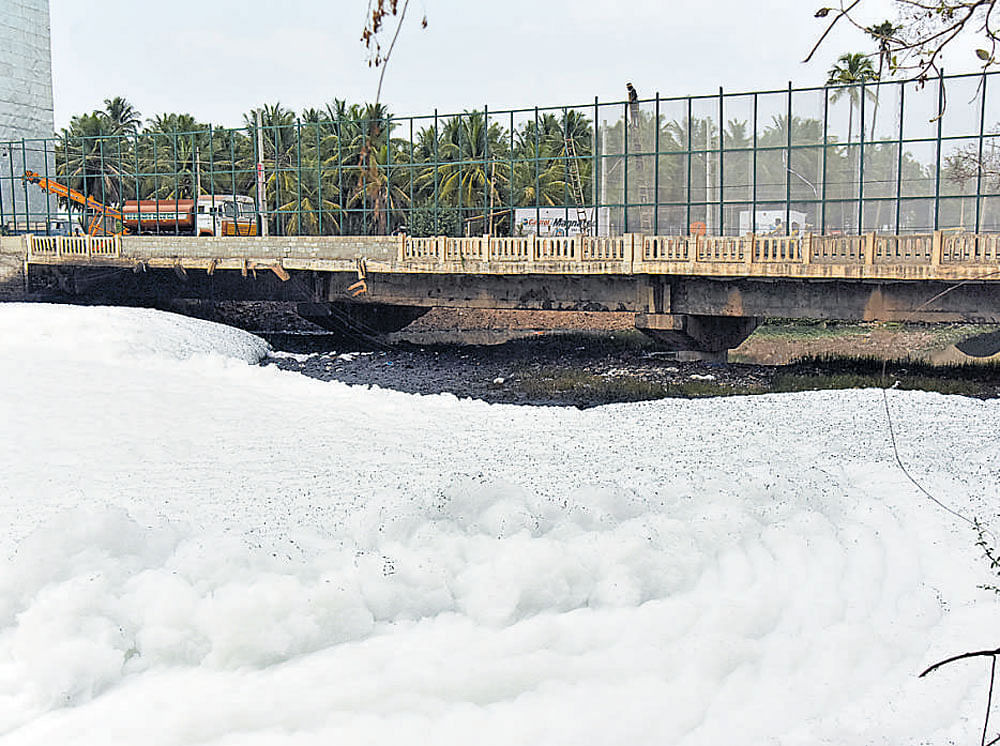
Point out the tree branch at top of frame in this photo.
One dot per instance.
(379, 12)
(926, 28)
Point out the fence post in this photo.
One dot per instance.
(937, 248)
(402, 247)
(937, 165)
(869, 245)
(979, 169)
(807, 249)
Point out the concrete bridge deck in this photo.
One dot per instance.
(704, 293)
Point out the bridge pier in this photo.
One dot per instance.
(713, 336)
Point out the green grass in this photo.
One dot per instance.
(790, 330)
(804, 330)
(986, 372)
(789, 382)
(573, 383)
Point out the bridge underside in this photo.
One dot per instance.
(692, 313)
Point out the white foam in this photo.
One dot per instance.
(204, 551)
(105, 334)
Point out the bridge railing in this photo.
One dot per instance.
(594, 253)
(557, 249)
(871, 248)
(916, 248)
(602, 249)
(970, 248)
(719, 249)
(775, 249)
(837, 249)
(665, 248)
(59, 247)
(518, 249)
(509, 249)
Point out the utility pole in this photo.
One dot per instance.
(261, 191)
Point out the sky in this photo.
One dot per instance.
(218, 59)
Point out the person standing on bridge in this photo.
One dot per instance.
(633, 105)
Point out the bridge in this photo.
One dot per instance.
(700, 293)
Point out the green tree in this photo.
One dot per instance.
(849, 73)
(474, 168)
(170, 154)
(86, 157)
(123, 118)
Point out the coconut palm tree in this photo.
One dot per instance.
(123, 118)
(467, 151)
(357, 145)
(539, 177)
(170, 152)
(851, 70)
(84, 159)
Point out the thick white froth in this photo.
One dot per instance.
(197, 551)
(105, 334)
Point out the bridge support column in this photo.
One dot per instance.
(712, 336)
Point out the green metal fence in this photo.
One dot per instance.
(890, 157)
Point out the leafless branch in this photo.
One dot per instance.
(962, 656)
(392, 45)
(842, 13)
(914, 46)
(378, 12)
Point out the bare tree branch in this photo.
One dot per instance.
(378, 12)
(926, 29)
(392, 45)
(821, 14)
(963, 656)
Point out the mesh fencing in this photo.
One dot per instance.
(891, 157)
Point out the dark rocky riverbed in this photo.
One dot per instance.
(587, 359)
(590, 369)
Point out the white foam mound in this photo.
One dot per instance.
(104, 333)
(229, 554)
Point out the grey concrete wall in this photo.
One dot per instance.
(25, 106)
(376, 248)
(12, 256)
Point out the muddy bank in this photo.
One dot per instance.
(588, 359)
(587, 369)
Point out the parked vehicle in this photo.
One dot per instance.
(214, 215)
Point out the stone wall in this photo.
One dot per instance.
(12, 256)
(375, 248)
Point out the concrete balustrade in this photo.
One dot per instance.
(938, 255)
(72, 247)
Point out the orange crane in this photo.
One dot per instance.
(101, 211)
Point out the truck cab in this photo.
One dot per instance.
(226, 215)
